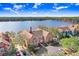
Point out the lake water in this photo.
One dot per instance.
(16, 26)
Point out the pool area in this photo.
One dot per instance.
(16, 26)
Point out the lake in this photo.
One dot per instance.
(16, 26)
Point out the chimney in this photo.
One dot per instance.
(30, 29)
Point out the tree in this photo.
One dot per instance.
(70, 43)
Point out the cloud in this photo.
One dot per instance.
(71, 3)
(34, 13)
(9, 9)
(61, 7)
(17, 7)
(56, 9)
(77, 4)
(36, 5)
(55, 4)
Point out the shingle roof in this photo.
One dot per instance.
(44, 32)
(26, 34)
(37, 33)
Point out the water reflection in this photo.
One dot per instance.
(16, 26)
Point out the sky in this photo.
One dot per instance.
(39, 9)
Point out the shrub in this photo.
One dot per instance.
(31, 47)
(71, 43)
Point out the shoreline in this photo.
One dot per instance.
(66, 19)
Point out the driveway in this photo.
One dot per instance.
(54, 50)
